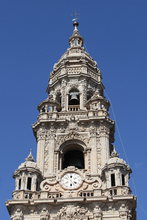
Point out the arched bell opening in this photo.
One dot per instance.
(73, 155)
(73, 158)
(74, 100)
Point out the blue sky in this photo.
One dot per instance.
(34, 34)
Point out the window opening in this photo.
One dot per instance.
(115, 192)
(123, 179)
(19, 184)
(29, 182)
(43, 109)
(113, 179)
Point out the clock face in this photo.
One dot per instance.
(71, 180)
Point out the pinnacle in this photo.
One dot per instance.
(30, 157)
(114, 153)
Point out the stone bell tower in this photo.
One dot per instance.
(78, 174)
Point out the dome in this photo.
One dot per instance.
(116, 161)
(28, 164)
(97, 97)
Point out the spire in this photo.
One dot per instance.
(30, 156)
(75, 40)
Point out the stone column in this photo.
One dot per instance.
(118, 178)
(108, 179)
(87, 159)
(60, 154)
(56, 161)
(34, 180)
(82, 90)
(93, 146)
(94, 169)
(24, 180)
(16, 184)
(66, 102)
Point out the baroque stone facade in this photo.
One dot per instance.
(78, 174)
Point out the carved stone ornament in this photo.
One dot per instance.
(123, 215)
(44, 215)
(70, 136)
(104, 130)
(17, 195)
(97, 212)
(46, 184)
(44, 134)
(95, 181)
(18, 215)
(72, 212)
(125, 191)
(41, 134)
(74, 70)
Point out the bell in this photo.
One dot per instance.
(74, 95)
(74, 158)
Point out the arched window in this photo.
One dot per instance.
(123, 179)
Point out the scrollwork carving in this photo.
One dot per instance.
(46, 184)
(70, 136)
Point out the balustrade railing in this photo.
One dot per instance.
(73, 108)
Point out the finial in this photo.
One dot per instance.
(75, 21)
(114, 153)
(75, 24)
(30, 156)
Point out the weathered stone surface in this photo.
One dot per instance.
(78, 175)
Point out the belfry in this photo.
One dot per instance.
(77, 175)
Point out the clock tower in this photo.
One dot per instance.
(78, 174)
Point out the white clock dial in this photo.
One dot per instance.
(71, 181)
